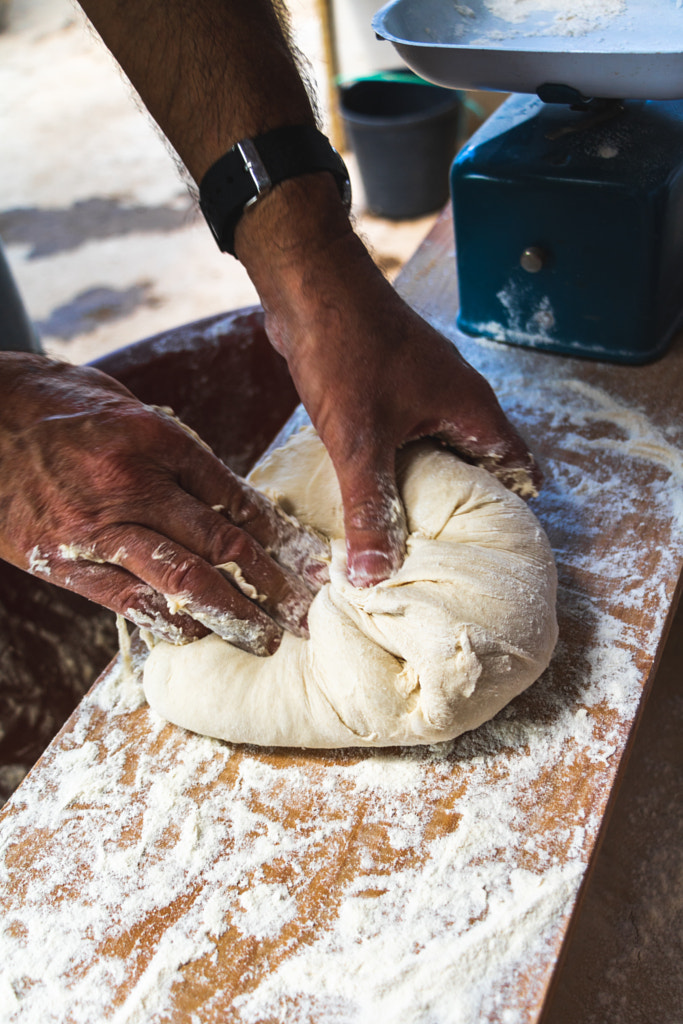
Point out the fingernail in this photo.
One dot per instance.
(366, 568)
(261, 642)
(260, 637)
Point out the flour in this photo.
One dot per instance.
(530, 327)
(38, 563)
(383, 950)
(576, 18)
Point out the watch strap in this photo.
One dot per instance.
(254, 166)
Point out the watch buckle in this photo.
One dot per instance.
(256, 169)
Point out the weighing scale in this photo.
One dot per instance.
(568, 204)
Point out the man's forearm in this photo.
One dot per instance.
(211, 72)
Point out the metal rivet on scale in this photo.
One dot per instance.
(533, 259)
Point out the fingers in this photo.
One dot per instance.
(118, 590)
(192, 527)
(374, 521)
(466, 415)
(518, 471)
(230, 571)
(497, 448)
(163, 587)
(291, 545)
(245, 597)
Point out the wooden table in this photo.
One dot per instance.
(150, 875)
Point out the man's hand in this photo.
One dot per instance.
(372, 374)
(120, 502)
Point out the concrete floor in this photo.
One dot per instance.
(104, 241)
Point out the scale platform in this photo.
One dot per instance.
(568, 212)
(607, 48)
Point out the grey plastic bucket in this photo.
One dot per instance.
(404, 133)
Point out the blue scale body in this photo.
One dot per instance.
(602, 205)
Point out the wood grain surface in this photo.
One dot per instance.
(150, 875)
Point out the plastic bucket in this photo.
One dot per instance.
(404, 133)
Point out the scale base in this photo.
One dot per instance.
(569, 228)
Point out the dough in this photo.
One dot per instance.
(465, 625)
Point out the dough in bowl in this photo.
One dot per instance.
(466, 624)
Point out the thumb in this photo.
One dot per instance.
(374, 521)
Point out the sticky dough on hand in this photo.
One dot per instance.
(465, 625)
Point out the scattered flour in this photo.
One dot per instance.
(131, 839)
(574, 18)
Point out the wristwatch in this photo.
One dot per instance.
(254, 166)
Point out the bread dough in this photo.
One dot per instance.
(465, 625)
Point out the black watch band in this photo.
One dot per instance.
(254, 166)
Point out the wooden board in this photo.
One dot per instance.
(149, 875)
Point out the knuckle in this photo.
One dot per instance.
(234, 545)
(247, 507)
(220, 538)
(183, 577)
(137, 596)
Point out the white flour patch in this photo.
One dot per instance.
(568, 19)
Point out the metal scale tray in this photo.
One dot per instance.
(615, 49)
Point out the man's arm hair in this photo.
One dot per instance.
(210, 72)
